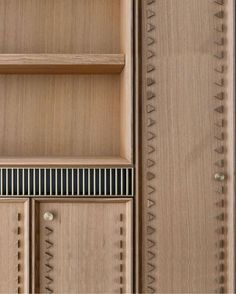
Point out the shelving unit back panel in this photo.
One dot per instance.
(60, 26)
(59, 115)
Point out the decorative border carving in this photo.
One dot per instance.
(19, 272)
(220, 176)
(220, 123)
(121, 254)
(149, 145)
(48, 265)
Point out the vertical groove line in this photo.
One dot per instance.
(40, 188)
(34, 183)
(23, 181)
(18, 182)
(67, 182)
(56, 184)
(94, 181)
(1, 187)
(105, 181)
(12, 181)
(78, 182)
(72, 181)
(83, 182)
(6, 181)
(99, 181)
(110, 181)
(62, 188)
(89, 173)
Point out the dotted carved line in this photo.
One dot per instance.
(19, 277)
(121, 254)
(150, 146)
(220, 175)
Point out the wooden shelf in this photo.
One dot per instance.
(64, 161)
(61, 63)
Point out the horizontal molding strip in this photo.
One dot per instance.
(107, 182)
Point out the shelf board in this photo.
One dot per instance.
(63, 161)
(61, 63)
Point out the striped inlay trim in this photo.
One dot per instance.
(67, 182)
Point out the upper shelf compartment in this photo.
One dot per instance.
(61, 63)
(80, 119)
(61, 26)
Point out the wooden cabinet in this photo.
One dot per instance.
(76, 246)
(117, 122)
(66, 129)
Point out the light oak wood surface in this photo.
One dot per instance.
(126, 79)
(59, 116)
(231, 145)
(65, 161)
(59, 26)
(61, 63)
(185, 210)
(14, 249)
(86, 248)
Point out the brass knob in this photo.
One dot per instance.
(48, 216)
(220, 177)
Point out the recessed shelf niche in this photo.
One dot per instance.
(66, 82)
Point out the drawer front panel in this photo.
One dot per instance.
(13, 246)
(84, 246)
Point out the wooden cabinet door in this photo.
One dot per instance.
(82, 246)
(188, 146)
(13, 246)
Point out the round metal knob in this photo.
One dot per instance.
(48, 216)
(220, 177)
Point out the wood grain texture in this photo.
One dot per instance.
(126, 79)
(59, 116)
(59, 26)
(68, 116)
(65, 161)
(14, 265)
(230, 104)
(185, 210)
(61, 63)
(88, 244)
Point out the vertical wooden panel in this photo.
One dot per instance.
(187, 130)
(230, 11)
(86, 248)
(14, 246)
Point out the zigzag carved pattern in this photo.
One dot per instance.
(150, 100)
(220, 175)
(49, 257)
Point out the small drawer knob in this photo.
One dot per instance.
(48, 216)
(220, 177)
